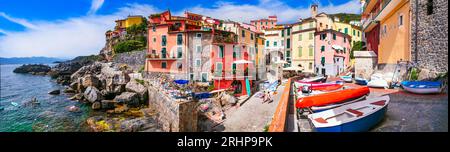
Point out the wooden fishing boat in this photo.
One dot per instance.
(331, 106)
(332, 97)
(320, 86)
(361, 81)
(314, 79)
(346, 78)
(422, 87)
(355, 117)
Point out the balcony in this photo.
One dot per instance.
(379, 12)
(157, 57)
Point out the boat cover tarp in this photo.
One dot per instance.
(181, 81)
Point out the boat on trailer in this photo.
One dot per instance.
(355, 117)
(423, 87)
(334, 97)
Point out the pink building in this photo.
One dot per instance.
(266, 23)
(332, 52)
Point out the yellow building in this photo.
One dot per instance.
(395, 31)
(303, 45)
(354, 31)
(129, 21)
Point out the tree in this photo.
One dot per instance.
(128, 46)
(356, 47)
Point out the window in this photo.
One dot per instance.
(198, 62)
(282, 33)
(164, 65)
(198, 35)
(282, 43)
(358, 34)
(323, 36)
(334, 36)
(179, 65)
(346, 30)
(191, 76)
(163, 40)
(288, 43)
(300, 37)
(288, 54)
(267, 43)
(234, 68)
(354, 32)
(154, 39)
(300, 51)
(221, 51)
(429, 7)
(310, 66)
(163, 53)
(179, 39)
(311, 35)
(311, 25)
(219, 68)
(204, 77)
(179, 52)
(243, 33)
(275, 43)
(199, 49)
(384, 29)
(322, 48)
(288, 32)
(311, 50)
(345, 39)
(322, 61)
(300, 27)
(251, 36)
(266, 23)
(400, 20)
(345, 50)
(154, 28)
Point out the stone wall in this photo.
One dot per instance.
(432, 35)
(173, 115)
(135, 59)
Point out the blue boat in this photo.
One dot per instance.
(347, 78)
(422, 87)
(355, 117)
(361, 81)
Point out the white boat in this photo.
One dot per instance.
(314, 79)
(378, 83)
(355, 117)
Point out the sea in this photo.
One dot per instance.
(51, 115)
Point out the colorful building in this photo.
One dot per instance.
(303, 45)
(263, 24)
(129, 21)
(349, 29)
(386, 25)
(332, 52)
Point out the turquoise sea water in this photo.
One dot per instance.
(51, 115)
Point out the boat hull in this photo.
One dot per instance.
(428, 87)
(361, 81)
(359, 125)
(321, 86)
(332, 97)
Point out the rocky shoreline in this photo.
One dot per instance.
(114, 89)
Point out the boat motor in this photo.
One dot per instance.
(306, 89)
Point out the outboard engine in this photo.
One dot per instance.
(306, 89)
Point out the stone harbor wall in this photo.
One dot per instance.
(174, 116)
(432, 34)
(134, 60)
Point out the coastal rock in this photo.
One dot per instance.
(108, 104)
(78, 96)
(90, 80)
(54, 92)
(120, 109)
(426, 74)
(137, 124)
(128, 98)
(69, 90)
(33, 102)
(74, 85)
(134, 86)
(96, 106)
(32, 68)
(92, 94)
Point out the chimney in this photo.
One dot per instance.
(314, 8)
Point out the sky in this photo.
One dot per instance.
(65, 29)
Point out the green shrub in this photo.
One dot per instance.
(414, 75)
(140, 81)
(128, 46)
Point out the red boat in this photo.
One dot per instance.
(332, 97)
(321, 86)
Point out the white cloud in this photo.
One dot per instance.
(65, 38)
(3, 32)
(22, 22)
(95, 5)
(285, 13)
